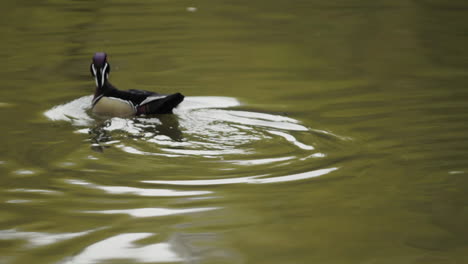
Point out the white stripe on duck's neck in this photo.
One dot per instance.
(104, 75)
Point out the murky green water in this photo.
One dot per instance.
(312, 132)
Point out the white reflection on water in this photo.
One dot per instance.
(74, 112)
(260, 119)
(201, 126)
(259, 161)
(251, 179)
(24, 172)
(151, 212)
(208, 182)
(123, 247)
(41, 191)
(292, 139)
(295, 177)
(133, 150)
(315, 155)
(205, 153)
(38, 238)
(139, 191)
(18, 201)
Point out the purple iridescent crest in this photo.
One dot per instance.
(99, 59)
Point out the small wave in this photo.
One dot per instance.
(138, 191)
(259, 179)
(152, 212)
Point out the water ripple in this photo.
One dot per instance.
(202, 126)
(251, 179)
(214, 128)
(139, 191)
(151, 212)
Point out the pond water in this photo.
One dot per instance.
(311, 132)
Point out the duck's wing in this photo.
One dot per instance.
(159, 104)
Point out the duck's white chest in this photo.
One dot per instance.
(110, 106)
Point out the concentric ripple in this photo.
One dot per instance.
(203, 127)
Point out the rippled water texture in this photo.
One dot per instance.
(311, 132)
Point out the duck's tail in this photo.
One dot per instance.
(161, 104)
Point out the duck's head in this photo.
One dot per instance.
(100, 69)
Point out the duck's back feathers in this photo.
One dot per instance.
(159, 104)
(141, 92)
(134, 96)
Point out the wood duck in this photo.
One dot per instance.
(110, 101)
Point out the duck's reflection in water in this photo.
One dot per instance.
(107, 131)
(169, 127)
(98, 136)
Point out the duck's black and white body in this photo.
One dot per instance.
(110, 101)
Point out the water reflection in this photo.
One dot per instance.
(292, 139)
(211, 131)
(258, 179)
(390, 74)
(123, 246)
(24, 190)
(151, 212)
(138, 191)
(260, 161)
(35, 239)
(24, 172)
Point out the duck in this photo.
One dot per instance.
(110, 101)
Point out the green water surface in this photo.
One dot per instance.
(312, 132)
